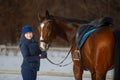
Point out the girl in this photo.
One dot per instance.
(31, 54)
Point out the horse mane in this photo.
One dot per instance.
(71, 19)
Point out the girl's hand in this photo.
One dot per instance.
(41, 56)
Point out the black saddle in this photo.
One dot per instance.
(98, 23)
(105, 21)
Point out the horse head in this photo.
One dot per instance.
(48, 30)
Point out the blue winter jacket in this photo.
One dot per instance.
(30, 51)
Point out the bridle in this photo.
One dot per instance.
(45, 41)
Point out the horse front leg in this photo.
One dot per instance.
(77, 69)
(77, 65)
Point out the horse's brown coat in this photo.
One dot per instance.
(96, 54)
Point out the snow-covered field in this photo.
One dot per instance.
(12, 62)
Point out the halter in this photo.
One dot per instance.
(47, 44)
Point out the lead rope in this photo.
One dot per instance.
(59, 64)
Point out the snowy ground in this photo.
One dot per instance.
(12, 62)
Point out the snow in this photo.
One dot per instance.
(12, 62)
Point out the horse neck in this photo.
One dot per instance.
(68, 27)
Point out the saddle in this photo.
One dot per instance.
(105, 21)
(85, 30)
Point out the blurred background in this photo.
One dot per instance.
(14, 14)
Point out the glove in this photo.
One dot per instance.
(43, 55)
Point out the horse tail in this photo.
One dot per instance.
(117, 55)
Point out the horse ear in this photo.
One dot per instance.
(39, 17)
(47, 13)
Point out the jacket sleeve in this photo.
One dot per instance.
(26, 54)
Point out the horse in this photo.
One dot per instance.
(96, 54)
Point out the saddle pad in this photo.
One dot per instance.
(85, 36)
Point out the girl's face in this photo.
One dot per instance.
(29, 35)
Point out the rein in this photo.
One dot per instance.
(59, 64)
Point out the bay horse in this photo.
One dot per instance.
(97, 53)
